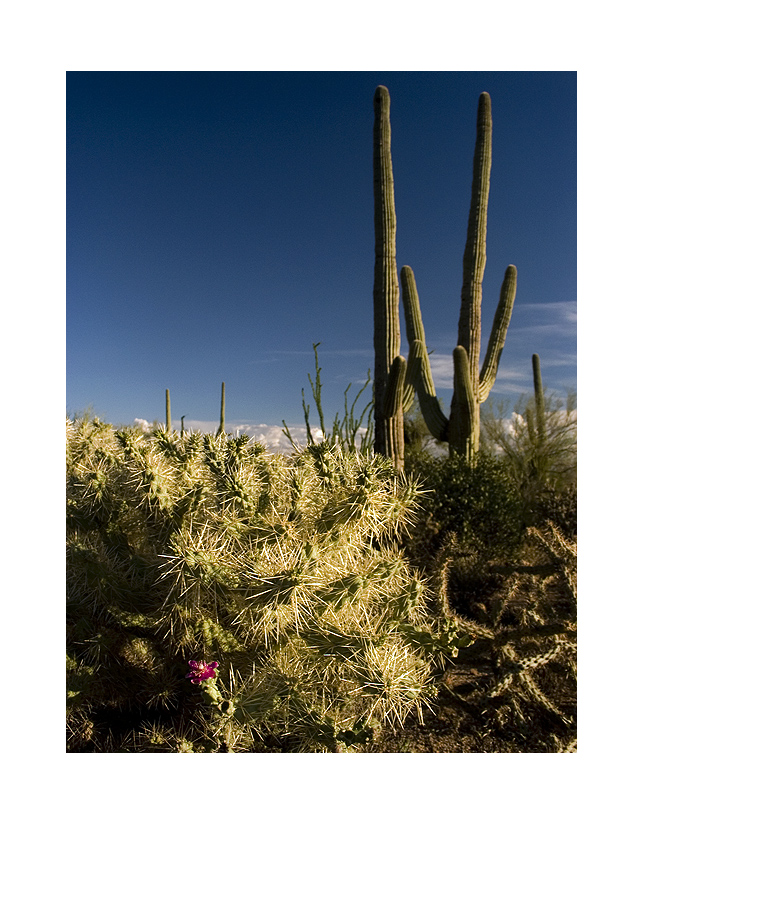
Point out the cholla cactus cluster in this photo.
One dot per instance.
(276, 580)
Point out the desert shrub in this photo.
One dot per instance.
(478, 504)
(345, 430)
(280, 577)
(558, 507)
(541, 463)
(512, 688)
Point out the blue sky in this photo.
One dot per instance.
(220, 223)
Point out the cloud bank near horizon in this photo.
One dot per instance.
(271, 435)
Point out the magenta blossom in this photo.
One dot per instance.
(200, 671)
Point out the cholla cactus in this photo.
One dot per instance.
(277, 577)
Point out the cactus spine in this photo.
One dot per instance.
(389, 391)
(221, 429)
(286, 572)
(471, 386)
(168, 410)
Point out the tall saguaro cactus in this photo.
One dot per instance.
(221, 429)
(390, 367)
(539, 398)
(471, 386)
(169, 411)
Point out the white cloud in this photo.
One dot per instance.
(567, 309)
(559, 360)
(271, 435)
(509, 380)
(441, 371)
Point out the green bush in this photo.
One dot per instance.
(540, 456)
(477, 503)
(284, 571)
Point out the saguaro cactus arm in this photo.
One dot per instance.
(420, 367)
(400, 392)
(464, 415)
(496, 343)
(394, 395)
(419, 371)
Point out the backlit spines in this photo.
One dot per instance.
(286, 571)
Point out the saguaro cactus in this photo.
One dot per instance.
(389, 376)
(471, 387)
(539, 398)
(169, 411)
(221, 428)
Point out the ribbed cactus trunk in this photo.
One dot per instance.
(168, 410)
(464, 410)
(389, 439)
(221, 428)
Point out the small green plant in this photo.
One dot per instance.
(475, 501)
(344, 431)
(277, 579)
(537, 438)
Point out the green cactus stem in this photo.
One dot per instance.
(539, 398)
(169, 411)
(221, 428)
(182, 425)
(389, 439)
(475, 254)
(471, 386)
(461, 430)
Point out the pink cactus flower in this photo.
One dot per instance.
(200, 671)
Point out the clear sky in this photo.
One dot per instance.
(220, 223)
